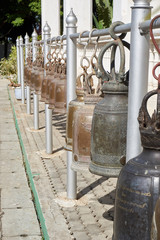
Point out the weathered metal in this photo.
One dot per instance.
(81, 132)
(60, 91)
(82, 121)
(137, 204)
(138, 185)
(50, 93)
(73, 106)
(108, 134)
(49, 69)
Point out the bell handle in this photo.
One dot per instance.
(106, 75)
(113, 52)
(144, 116)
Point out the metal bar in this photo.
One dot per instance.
(26, 47)
(28, 92)
(103, 32)
(36, 110)
(18, 61)
(119, 29)
(144, 26)
(35, 96)
(27, 44)
(48, 112)
(49, 138)
(22, 69)
(71, 21)
(138, 80)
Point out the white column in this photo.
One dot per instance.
(83, 10)
(138, 79)
(121, 10)
(50, 13)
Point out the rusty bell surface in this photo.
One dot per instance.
(60, 92)
(109, 124)
(74, 105)
(137, 205)
(81, 132)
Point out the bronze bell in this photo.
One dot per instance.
(50, 97)
(48, 77)
(81, 129)
(38, 81)
(109, 125)
(137, 205)
(28, 80)
(74, 105)
(60, 91)
(33, 75)
(137, 192)
(45, 80)
(26, 68)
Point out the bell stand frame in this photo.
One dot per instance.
(139, 28)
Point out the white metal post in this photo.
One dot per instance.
(138, 80)
(18, 61)
(22, 69)
(35, 96)
(48, 112)
(26, 38)
(27, 87)
(71, 21)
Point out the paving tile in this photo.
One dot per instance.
(10, 166)
(13, 180)
(16, 198)
(23, 238)
(19, 222)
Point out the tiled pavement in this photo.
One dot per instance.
(88, 217)
(18, 218)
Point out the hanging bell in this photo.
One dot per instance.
(38, 81)
(28, 69)
(33, 75)
(49, 76)
(109, 124)
(137, 205)
(73, 106)
(138, 191)
(60, 92)
(39, 74)
(51, 86)
(81, 128)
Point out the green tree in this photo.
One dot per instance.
(18, 17)
(102, 13)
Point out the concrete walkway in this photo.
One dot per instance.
(18, 217)
(90, 217)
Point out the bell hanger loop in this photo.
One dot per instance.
(151, 33)
(112, 33)
(84, 57)
(157, 77)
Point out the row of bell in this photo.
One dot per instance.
(51, 87)
(96, 129)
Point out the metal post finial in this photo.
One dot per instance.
(26, 36)
(34, 34)
(71, 19)
(20, 39)
(46, 28)
(142, 3)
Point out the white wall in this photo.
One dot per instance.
(50, 12)
(83, 12)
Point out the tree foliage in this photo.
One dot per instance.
(102, 13)
(18, 17)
